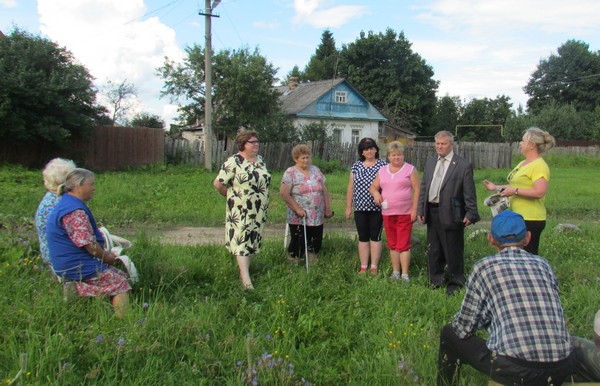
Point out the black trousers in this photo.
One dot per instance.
(502, 369)
(536, 228)
(314, 237)
(446, 252)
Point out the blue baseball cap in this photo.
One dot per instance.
(508, 227)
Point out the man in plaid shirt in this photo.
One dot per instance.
(514, 295)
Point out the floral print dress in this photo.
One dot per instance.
(247, 202)
(41, 219)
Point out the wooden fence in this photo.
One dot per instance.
(113, 148)
(278, 156)
(107, 148)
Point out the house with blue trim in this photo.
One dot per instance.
(347, 114)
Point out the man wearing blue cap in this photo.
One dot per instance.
(514, 295)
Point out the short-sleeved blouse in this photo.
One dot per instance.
(44, 209)
(247, 202)
(523, 177)
(363, 178)
(307, 191)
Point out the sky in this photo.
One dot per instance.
(477, 48)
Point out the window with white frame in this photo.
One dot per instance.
(336, 136)
(355, 137)
(341, 97)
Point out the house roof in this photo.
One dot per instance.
(300, 97)
(301, 100)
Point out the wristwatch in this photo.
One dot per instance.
(516, 191)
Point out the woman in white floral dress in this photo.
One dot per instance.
(244, 180)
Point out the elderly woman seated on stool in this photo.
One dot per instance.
(76, 244)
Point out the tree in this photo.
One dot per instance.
(45, 96)
(571, 77)
(243, 95)
(120, 99)
(485, 112)
(294, 73)
(184, 83)
(385, 70)
(323, 64)
(147, 120)
(448, 111)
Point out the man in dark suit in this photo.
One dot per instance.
(447, 204)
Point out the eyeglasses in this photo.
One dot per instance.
(254, 142)
(512, 174)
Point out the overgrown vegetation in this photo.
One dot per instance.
(191, 322)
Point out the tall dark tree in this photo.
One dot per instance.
(396, 80)
(45, 95)
(323, 64)
(570, 77)
(448, 111)
(243, 96)
(294, 73)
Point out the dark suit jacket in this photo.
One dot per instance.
(458, 198)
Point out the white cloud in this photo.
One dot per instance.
(495, 17)
(8, 3)
(111, 40)
(308, 12)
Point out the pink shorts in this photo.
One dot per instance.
(110, 282)
(398, 229)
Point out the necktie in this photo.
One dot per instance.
(436, 183)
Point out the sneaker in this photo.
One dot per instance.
(373, 271)
(405, 278)
(395, 276)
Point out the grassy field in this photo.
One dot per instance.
(191, 323)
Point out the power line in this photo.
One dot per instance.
(156, 10)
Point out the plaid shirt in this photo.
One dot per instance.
(514, 294)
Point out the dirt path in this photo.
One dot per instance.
(208, 235)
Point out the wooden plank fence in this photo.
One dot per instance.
(278, 156)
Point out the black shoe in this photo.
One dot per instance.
(452, 291)
(436, 285)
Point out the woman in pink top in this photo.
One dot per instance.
(396, 190)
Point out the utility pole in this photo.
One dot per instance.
(208, 135)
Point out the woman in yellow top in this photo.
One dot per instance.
(528, 183)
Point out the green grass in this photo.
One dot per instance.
(191, 323)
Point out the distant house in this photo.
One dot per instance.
(193, 133)
(335, 103)
(391, 133)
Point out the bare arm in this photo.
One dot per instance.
(540, 187)
(415, 182)
(374, 189)
(98, 252)
(493, 187)
(285, 193)
(349, 192)
(222, 189)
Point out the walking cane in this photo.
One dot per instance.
(286, 236)
(305, 242)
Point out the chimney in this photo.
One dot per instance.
(292, 82)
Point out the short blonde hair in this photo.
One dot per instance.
(56, 172)
(395, 146)
(540, 138)
(300, 150)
